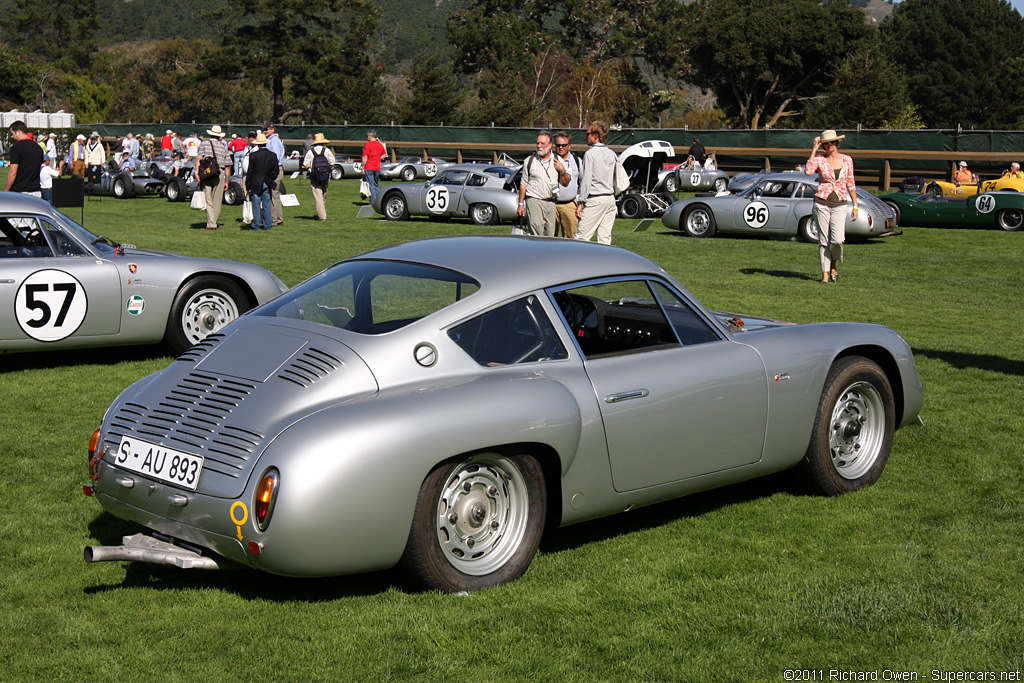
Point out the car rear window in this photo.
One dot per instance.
(372, 296)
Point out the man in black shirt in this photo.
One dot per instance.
(26, 158)
(697, 152)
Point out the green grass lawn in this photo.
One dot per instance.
(921, 572)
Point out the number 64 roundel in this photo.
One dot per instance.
(50, 305)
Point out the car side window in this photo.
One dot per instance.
(517, 332)
(453, 178)
(613, 318)
(23, 237)
(689, 327)
(476, 181)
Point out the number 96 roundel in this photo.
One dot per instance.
(50, 305)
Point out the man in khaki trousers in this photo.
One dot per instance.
(318, 185)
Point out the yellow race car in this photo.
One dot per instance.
(942, 188)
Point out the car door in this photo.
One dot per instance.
(678, 399)
(443, 196)
(769, 207)
(52, 287)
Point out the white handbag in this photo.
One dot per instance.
(364, 188)
(199, 200)
(247, 211)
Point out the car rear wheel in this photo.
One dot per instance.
(896, 210)
(853, 428)
(632, 205)
(235, 194)
(698, 221)
(721, 185)
(123, 186)
(408, 174)
(1010, 219)
(477, 523)
(808, 230)
(395, 207)
(935, 189)
(175, 189)
(337, 173)
(483, 214)
(203, 306)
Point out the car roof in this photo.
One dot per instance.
(505, 265)
(15, 201)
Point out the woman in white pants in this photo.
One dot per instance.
(835, 187)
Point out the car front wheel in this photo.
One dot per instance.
(698, 221)
(853, 428)
(483, 214)
(395, 208)
(123, 186)
(203, 306)
(671, 184)
(1011, 219)
(234, 195)
(632, 206)
(477, 523)
(408, 174)
(175, 189)
(721, 185)
(337, 173)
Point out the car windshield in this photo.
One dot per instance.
(371, 296)
(99, 245)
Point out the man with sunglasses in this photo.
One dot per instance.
(565, 204)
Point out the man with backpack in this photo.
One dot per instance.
(319, 160)
(213, 169)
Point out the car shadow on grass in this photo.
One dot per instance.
(39, 360)
(979, 361)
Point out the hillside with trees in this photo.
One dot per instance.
(642, 63)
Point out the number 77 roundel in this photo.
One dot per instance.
(50, 305)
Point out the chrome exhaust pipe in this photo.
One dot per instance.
(142, 548)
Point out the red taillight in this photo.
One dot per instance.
(94, 455)
(266, 495)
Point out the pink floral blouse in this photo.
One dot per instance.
(827, 181)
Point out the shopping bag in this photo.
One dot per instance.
(199, 200)
(364, 188)
(247, 211)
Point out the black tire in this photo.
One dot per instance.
(201, 307)
(337, 173)
(671, 183)
(483, 214)
(234, 195)
(123, 187)
(808, 230)
(935, 189)
(1011, 220)
(394, 207)
(408, 174)
(699, 221)
(853, 428)
(175, 189)
(721, 185)
(896, 210)
(153, 168)
(477, 523)
(632, 205)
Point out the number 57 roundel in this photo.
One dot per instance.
(50, 305)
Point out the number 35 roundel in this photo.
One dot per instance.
(50, 305)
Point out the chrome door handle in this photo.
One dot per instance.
(627, 395)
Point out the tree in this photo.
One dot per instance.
(18, 78)
(962, 60)
(435, 97)
(311, 54)
(55, 32)
(765, 58)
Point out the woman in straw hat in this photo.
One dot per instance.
(835, 186)
(319, 185)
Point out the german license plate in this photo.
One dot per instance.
(165, 464)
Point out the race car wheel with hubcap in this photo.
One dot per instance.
(123, 186)
(632, 205)
(203, 306)
(1010, 219)
(671, 184)
(698, 221)
(483, 214)
(175, 189)
(721, 185)
(408, 174)
(234, 195)
(477, 523)
(395, 208)
(337, 173)
(808, 230)
(935, 189)
(853, 428)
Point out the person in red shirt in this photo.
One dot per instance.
(167, 144)
(373, 151)
(237, 147)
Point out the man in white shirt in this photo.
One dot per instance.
(596, 209)
(543, 172)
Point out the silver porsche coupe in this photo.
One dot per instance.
(63, 287)
(436, 404)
